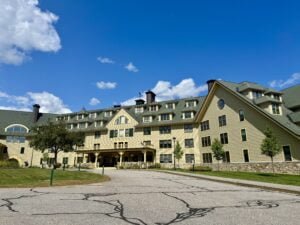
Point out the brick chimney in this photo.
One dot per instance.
(210, 83)
(150, 97)
(36, 112)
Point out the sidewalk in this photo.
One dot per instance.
(246, 183)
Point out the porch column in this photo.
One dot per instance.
(121, 157)
(83, 159)
(145, 156)
(96, 159)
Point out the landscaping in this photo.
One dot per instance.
(262, 177)
(36, 177)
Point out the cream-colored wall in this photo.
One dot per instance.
(254, 123)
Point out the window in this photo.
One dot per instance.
(170, 106)
(81, 125)
(204, 125)
(129, 132)
(165, 144)
(147, 130)
(98, 123)
(222, 121)
(246, 155)
(188, 115)
(242, 115)
(224, 138)
(80, 116)
(277, 97)
(22, 150)
(97, 134)
(206, 141)
(147, 143)
(188, 128)
(190, 104)
(165, 158)
(96, 146)
(121, 144)
(221, 103)
(139, 109)
(226, 158)
(275, 108)
(121, 133)
(189, 143)
(107, 113)
(16, 129)
(147, 119)
(153, 108)
(257, 94)
(126, 144)
(287, 153)
(65, 160)
(121, 120)
(189, 158)
(69, 126)
(115, 145)
(15, 139)
(113, 133)
(79, 159)
(207, 157)
(165, 130)
(243, 134)
(165, 116)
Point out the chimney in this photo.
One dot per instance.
(36, 112)
(210, 84)
(150, 97)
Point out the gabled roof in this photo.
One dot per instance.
(291, 97)
(8, 117)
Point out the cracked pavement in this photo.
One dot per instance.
(148, 197)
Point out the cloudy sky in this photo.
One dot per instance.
(66, 54)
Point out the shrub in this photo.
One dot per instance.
(9, 164)
(155, 166)
(201, 168)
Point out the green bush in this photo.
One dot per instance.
(9, 164)
(155, 166)
(201, 168)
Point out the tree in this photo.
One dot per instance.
(270, 145)
(178, 152)
(54, 137)
(2, 154)
(218, 152)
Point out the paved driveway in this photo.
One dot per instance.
(143, 197)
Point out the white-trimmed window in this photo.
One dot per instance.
(170, 105)
(139, 109)
(121, 120)
(98, 123)
(188, 115)
(107, 113)
(165, 116)
(275, 108)
(147, 119)
(153, 108)
(16, 128)
(191, 103)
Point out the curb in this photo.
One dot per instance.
(232, 182)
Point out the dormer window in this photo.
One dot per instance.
(139, 109)
(82, 125)
(80, 116)
(170, 106)
(275, 108)
(277, 97)
(190, 104)
(147, 119)
(165, 116)
(92, 115)
(98, 123)
(108, 114)
(188, 115)
(256, 94)
(153, 108)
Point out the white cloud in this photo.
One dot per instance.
(165, 91)
(294, 79)
(105, 60)
(49, 103)
(131, 68)
(24, 28)
(106, 85)
(94, 101)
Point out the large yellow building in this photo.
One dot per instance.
(145, 133)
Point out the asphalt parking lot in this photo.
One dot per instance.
(147, 197)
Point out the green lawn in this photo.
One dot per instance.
(35, 177)
(263, 177)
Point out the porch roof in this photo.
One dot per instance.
(115, 150)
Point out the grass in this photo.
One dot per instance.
(35, 177)
(262, 177)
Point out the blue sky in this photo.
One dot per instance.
(93, 54)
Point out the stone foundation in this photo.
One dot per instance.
(263, 167)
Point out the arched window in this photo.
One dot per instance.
(16, 128)
(121, 120)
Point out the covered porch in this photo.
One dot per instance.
(115, 157)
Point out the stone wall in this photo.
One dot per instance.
(264, 167)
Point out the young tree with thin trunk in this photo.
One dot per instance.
(54, 137)
(270, 146)
(218, 152)
(178, 152)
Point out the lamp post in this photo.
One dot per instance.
(174, 139)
